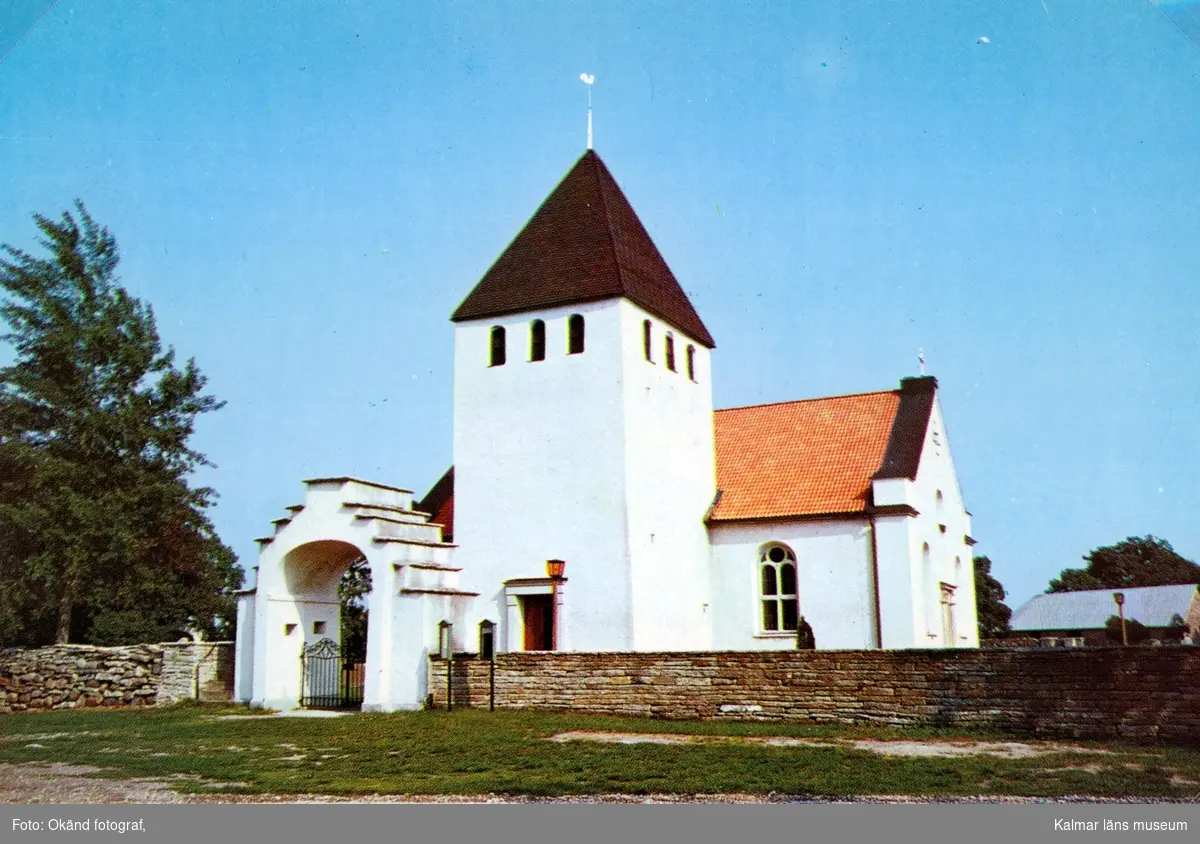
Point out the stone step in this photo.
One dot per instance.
(399, 514)
(401, 553)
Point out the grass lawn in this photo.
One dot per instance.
(478, 752)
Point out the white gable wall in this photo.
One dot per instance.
(911, 576)
(834, 581)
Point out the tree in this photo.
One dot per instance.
(353, 589)
(102, 538)
(1134, 630)
(1136, 561)
(993, 614)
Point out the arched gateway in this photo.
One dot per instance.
(295, 606)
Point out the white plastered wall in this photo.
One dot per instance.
(670, 481)
(834, 582)
(539, 471)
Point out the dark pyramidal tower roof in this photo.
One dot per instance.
(584, 244)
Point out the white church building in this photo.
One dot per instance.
(597, 502)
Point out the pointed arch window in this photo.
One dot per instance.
(499, 349)
(691, 362)
(778, 599)
(670, 352)
(646, 341)
(575, 334)
(537, 340)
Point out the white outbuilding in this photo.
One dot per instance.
(597, 502)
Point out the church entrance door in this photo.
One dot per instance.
(537, 615)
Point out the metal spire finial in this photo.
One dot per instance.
(588, 79)
(921, 360)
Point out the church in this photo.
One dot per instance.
(598, 502)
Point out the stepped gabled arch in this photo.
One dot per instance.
(295, 603)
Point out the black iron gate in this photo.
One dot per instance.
(330, 677)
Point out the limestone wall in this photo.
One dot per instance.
(1078, 692)
(196, 671)
(79, 676)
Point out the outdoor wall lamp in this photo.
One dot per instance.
(446, 651)
(487, 650)
(554, 568)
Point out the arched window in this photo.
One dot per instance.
(575, 335)
(646, 341)
(691, 362)
(777, 589)
(537, 340)
(670, 352)
(498, 348)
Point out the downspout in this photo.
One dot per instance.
(875, 585)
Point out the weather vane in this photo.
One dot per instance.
(921, 360)
(589, 80)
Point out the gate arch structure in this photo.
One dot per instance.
(294, 607)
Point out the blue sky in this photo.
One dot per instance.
(304, 191)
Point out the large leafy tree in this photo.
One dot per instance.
(993, 613)
(353, 591)
(102, 536)
(1135, 561)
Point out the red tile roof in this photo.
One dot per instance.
(815, 457)
(801, 458)
(584, 244)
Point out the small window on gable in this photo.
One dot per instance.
(778, 595)
(537, 340)
(691, 362)
(670, 352)
(318, 628)
(575, 334)
(646, 341)
(498, 347)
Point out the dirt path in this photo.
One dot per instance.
(73, 784)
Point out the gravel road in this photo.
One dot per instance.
(68, 784)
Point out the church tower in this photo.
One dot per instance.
(583, 432)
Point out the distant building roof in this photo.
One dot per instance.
(817, 456)
(1153, 606)
(584, 244)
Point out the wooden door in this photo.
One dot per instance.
(536, 611)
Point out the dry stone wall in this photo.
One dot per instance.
(81, 676)
(1143, 692)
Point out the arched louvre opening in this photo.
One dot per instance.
(537, 340)
(499, 350)
(575, 334)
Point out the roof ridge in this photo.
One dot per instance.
(593, 158)
(813, 398)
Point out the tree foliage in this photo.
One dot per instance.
(102, 537)
(992, 612)
(1134, 630)
(1136, 561)
(353, 589)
